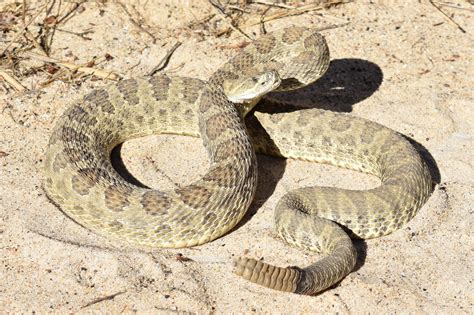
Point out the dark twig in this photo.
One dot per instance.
(263, 30)
(447, 17)
(164, 61)
(283, 13)
(31, 37)
(138, 25)
(271, 4)
(330, 27)
(84, 69)
(81, 34)
(70, 12)
(25, 27)
(444, 4)
(221, 10)
(104, 298)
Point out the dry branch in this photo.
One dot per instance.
(164, 61)
(12, 81)
(105, 298)
(137, 24)
(271, 4)
(221, 10)
(23, 30)
(87, 70)
(295, 11)
(447, 17)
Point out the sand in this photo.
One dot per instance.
(404, 66)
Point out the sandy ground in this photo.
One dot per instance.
(405, 67)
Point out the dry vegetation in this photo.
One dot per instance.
(28, 29)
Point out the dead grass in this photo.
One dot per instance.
(29, 29)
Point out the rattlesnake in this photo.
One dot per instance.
(81, 180)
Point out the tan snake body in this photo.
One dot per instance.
(81, 180)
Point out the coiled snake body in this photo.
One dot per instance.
(81, 180)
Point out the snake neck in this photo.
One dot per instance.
(247, 107)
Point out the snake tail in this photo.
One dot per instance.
(317, 234)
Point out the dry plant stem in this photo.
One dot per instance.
(50, 30)
(12, 81)
(327, 16)
(54, 77)
(88, 70)
(295, 11)
(23, 12)
(136, 23)
(105, 298)
(80, 34)
(447, 17)
(201, 21)
(23, 30)
(69, 15)
(447, 4)
(236, 8)
(31, 37)
(330, 27)
(222, 12)
(164, 61)
(263, 30)
(267, 3)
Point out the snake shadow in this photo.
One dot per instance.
(346, 82)
(429, 160)
(121, 168)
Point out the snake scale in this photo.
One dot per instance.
(81, 180)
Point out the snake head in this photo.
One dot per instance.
(251, 89)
